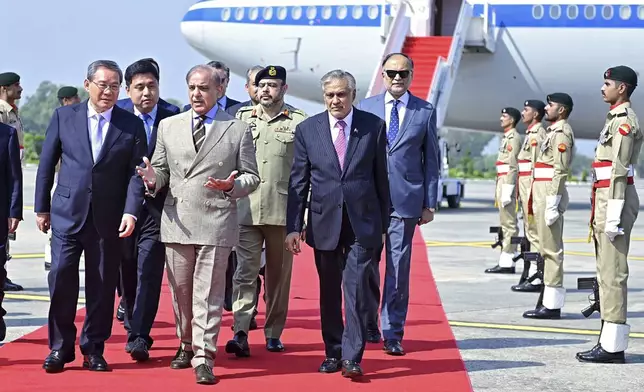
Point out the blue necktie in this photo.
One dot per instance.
(393, 123)
(145, 117)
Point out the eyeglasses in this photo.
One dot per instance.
(392, 73)
(104, 86)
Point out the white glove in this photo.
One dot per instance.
(613, 217)
(506, 194)
(22, 154)
(552, 213)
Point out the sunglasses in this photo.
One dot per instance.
(392, 74)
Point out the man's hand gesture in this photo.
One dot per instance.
(147, 173)
(222, 185)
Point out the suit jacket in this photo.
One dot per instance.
(10, 178)
(233, 109)
(229, 103)
(413, 157)
(362, 186)
(192, 213)
(110, 185)
(126, 104)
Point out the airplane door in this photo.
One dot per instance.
(437, 17)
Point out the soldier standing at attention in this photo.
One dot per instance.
(505, 193)
(262, 214)
(10, 92)
(614, 211)
(533, 112)
(550, 201)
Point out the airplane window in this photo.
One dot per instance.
(311, 12)
(296, 13)
(589, 12)
(342, 12)
(357, 11)
(239, 13)
(282, 13)
(373, 11)
(327, 12)
(225, 14)
(537, 11)
(625, 12)
(572, 11)
(253, 13)
(607, 12)
(268, 13)
(555, 11)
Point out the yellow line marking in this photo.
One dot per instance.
(30, 208)
(34, 297)
(28, 256)
(529, 328)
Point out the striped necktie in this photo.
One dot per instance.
(199, 132)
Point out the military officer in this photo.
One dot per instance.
(10, 92)
(505, 193)
(262, 215)
(550, 201)
(614, 211)
(532, 115)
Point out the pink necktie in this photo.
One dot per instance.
(341, 143)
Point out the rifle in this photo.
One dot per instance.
(590, 284)
(524, 245)
(499, 235)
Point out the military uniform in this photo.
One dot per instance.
(262, 216)
(9, 113)
(614, 210)
(505, 192)
(549, 202)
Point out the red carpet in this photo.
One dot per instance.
(432, 363)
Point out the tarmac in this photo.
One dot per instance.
(503, 351)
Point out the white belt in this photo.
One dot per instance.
(544, 172)
(502, 169)
(525, 166)
(605, 173)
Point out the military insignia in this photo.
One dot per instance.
(533, 143)
(285, 112)
(607, 74)
(562, 147)
(272, 71)
(624, 129)
(253, 113)
(509, 148)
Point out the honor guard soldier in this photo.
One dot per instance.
(262, 214)
(532, 115)
(10, 92)
(505, 193)
(550, 201)
(615, 206)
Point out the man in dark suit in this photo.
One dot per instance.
(340, 156)
(251, 89)
(96, 202)
(126, 103)
(412, 157)
(10, 202)
(144, 254)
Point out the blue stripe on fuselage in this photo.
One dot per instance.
(506, 15)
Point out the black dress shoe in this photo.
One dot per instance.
(182, 359)
(500, 270)
(139, 350)
(238, 345)
(527, 287)
(330, 365)
(95, 363)
(56, 360)
(3, 329)
(543, 313)
(274, 345)
(598, 355)
(253, 324)
(373, 336)
(393, 347)
(120, 312)
(351, 369)
(204, 375)
(10, 286)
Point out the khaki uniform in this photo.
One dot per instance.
(505, 194)
(9, 115)
(615, 204)
(262, 220)
(549, 202)
(526, 159)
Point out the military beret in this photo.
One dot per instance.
(9, 78)
(560, 98)
(512, 112)
(67, 92)
(622, 73)
(271, 72)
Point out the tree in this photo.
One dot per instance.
(38, 108)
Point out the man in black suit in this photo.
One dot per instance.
(340, 156)
(126, 103)
(10, 202)
(96, 203)
(144, 254)
(251, 89)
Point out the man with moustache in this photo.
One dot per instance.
(95, 204)
(340, 157)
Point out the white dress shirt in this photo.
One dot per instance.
(335, 130)
(402, 108)
(92, 125)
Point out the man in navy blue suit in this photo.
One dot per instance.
(95, 204)
(10, 202)
(412, 158)
(144, 257)
(340, 157)
(126, 103)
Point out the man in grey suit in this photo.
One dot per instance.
(412, 157)
(194, 151)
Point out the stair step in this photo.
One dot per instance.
(425, 52)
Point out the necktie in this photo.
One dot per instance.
(97, 137)
(148, 131)
(393, 123)
(341, 143)
(199, 133)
